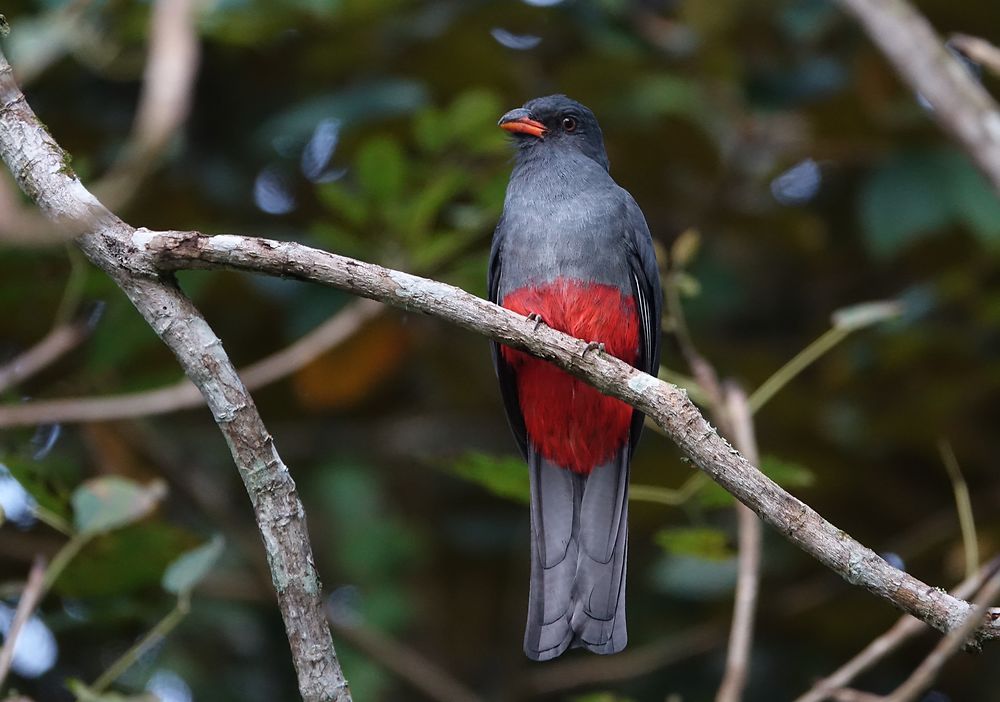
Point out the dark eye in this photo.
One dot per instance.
(569, 124)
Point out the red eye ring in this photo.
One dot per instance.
(569, 124)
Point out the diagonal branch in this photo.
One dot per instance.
(37, 163)
(961, 106)
(667, 405)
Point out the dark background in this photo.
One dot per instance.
(704, 106)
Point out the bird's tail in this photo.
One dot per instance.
(578, 551)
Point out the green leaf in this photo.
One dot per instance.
(600, 697)
(472, 118)
(351, 206)
(787, 474)
(973, 200)
(423, 209)
(504, 476)
(714, 495)
(903, 202)
(124, 561)
(110, 502)
(47, 481)
(659, 95)
(431, 130)
(711, 544)
(189, 568)
(381, 169)
(920, 191)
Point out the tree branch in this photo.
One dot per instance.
(184, 394)
(960, 105)
(667, 405)
(740, 423)
(902, 631)
(62, 339)
(32, 592)
(37, 163)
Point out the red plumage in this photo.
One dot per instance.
(572, 424)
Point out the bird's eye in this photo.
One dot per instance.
(569, 124)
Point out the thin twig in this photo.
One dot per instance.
(905, 628)
(405, 663)
(964, 506)
(184, 394)
(667, 496)
(748, 568)
(30, 596)
(165, 101)
(802, 360)
(152, 637)
(57, 343)
(635, 661)
(925, 674)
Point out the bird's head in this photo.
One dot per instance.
(555, 122)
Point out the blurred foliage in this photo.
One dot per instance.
(786, 174)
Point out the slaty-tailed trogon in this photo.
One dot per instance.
(572, 250)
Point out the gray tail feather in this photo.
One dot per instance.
(578, 552)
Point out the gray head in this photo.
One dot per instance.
(555, 122)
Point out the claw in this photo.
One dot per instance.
(537, 319)
(592, 346)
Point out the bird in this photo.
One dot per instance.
(572, 251)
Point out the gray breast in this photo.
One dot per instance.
(563, 223)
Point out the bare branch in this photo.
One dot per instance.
(404, 662)
(665, 404)
(740, 421)
(30, 595)
(902, 631)
(635, 661)
(163, 107)
(928, 670)
(61, 340)
(164, 103)
(961, 106)
(37, 163)
(184, 394)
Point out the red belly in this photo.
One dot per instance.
(570, 423)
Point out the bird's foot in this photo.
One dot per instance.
(537, 319)
(592, 346)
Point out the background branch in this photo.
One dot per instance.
(30, 595)
(960, 105)
(184, 394)
(740, 419)
(37, 163)
(902, 631)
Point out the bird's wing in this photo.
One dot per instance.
(505, 374)
(645, 274)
